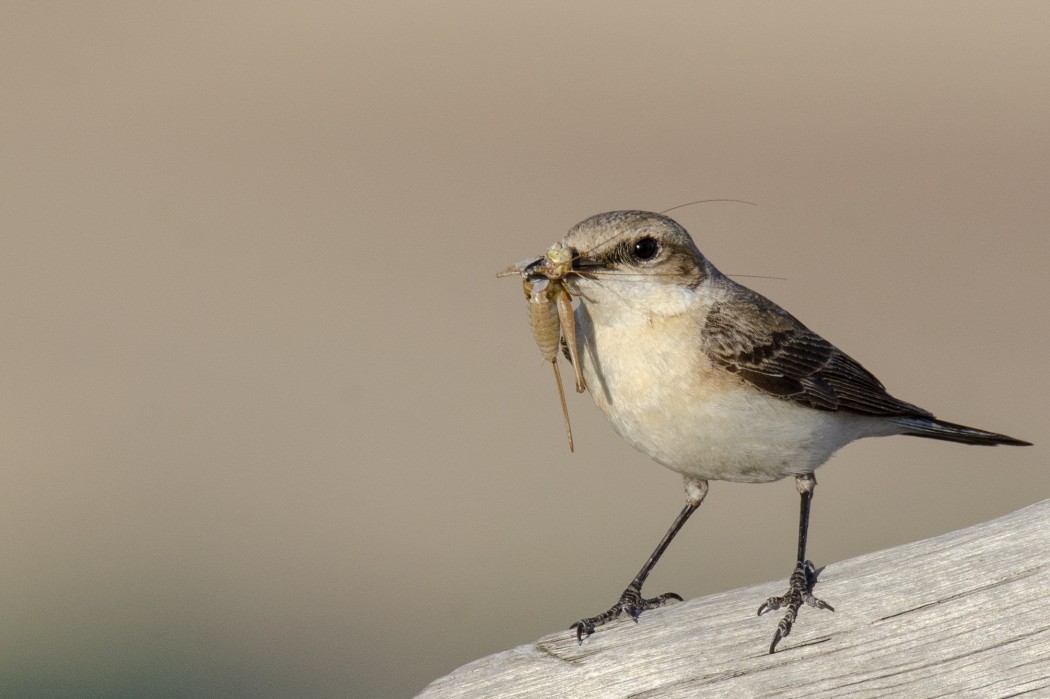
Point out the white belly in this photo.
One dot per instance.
(661, 394)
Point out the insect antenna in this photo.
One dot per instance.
(707, 201)
(756, 276)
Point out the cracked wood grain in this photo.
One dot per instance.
(961, 615)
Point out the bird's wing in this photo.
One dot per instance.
(767, 347)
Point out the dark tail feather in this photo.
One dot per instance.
(933, 428)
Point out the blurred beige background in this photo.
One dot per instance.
(270, 425)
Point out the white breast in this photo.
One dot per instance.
(649, 377)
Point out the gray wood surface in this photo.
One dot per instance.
(965, 614)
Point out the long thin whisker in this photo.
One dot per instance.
(708, 201)
(649, 275)
(604, 273)
(756, 276)
(611, 289)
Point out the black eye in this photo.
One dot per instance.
(645, 248)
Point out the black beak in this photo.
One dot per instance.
(583, 265)
(533, 270)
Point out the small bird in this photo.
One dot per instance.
(717, 382)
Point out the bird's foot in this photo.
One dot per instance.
(800, 591)
(630, 602)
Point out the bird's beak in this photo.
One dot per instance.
(535, 268)
(583, 265)
(521, 267)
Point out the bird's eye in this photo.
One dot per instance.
(645, 249)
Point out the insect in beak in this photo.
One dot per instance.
(551, 315)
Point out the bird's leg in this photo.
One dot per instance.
(800, 585)
(631, 601)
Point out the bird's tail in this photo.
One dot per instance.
(933, 428)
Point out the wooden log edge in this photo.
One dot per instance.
(963, 614)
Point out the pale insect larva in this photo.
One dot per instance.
(551, 315)
(555, 266)
(545, 322)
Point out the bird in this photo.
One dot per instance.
(715, 382)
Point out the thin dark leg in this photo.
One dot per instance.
(806, 494)
(631, 601)
(800, 585)
(639, 579)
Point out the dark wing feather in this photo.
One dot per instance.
(769, 348)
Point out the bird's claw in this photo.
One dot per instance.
(800, 591)
(631, 602)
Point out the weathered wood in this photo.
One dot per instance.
(963, 615)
